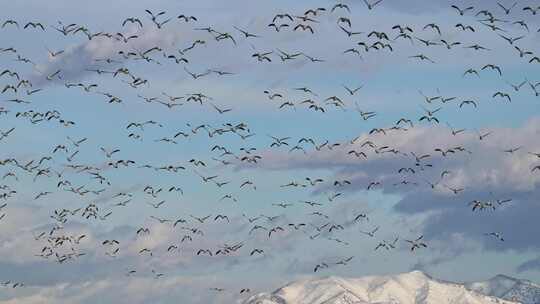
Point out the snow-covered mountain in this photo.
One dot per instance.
(407, 288)
(508, 288)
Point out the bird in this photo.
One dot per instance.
(352, 91)
(246, 33)
(387, 245)
(371, 233)
(422, 57)
(341, 6)
(468, 102)
(417, 243)
(511, 40)
(523, 53)
(531, 9)
(187, 18)
(517, 87)
(522, 23)
(504, 95)
(493, 67)
(315, 11)
(372, 5)
(465, 27)
(471, 71)
(275, 230)
(109, 153)
(154, 18)
(482, 136)
(496, 235)
(507, 10)
(256, 251)
(278, 28)
(320, 266)
(10, 22)
(434, 27)
(34, 25)
(220, 110)
(132, 20)
(462, 11)
(156, 205)
(304, 28)
(201, 219)
(477, 47)
(282, 16)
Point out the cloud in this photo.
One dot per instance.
(77, 60)
(172, 289)
(530, 265)
(446, 251)
(483, 170)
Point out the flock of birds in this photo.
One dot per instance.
(88, 183)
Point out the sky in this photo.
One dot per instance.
(63, 259)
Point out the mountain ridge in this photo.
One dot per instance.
(509, 288)
(414, 287)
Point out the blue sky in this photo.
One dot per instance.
(392, 86)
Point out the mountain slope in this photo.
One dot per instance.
(508, 288)
(408, 288)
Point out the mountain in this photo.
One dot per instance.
(508, 288)
(407, 288)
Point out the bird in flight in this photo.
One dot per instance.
(371, 5)
(417, 243)
(210, 138)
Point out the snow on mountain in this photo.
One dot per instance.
(508, 288)
(407, 288)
